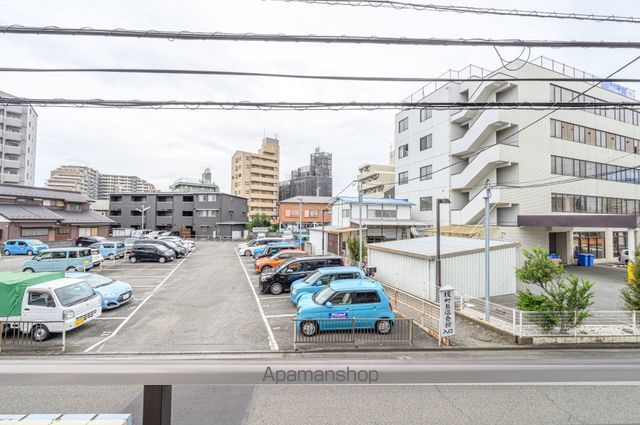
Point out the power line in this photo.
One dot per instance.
(304, 106)
(312, 76)
(310, 38)
(400, 5)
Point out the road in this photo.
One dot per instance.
(484, 393)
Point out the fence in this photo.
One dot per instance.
(424, 314)
(351, 331)
(25, 335)
(575, 326)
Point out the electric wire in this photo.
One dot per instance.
(400, 5)
(311, 38)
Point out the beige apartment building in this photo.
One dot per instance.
(255, 176)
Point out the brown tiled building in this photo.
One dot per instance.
(48, 215)
(312, 207)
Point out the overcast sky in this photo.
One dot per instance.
(163, 145)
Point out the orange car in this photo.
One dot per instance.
(267, 263)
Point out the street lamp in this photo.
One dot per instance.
(323, 211)
(142, 211)
(438, 272)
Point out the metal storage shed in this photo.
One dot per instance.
(409, 265)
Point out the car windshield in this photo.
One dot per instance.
(171, 244)
(312, 277)
(34, 242)
(74, 294)
(164, 248)
(282, 266)
(324, 295)
(130, 241)
(96, 281)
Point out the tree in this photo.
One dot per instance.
(564, 298)
(631, 293)
(353, 245)
(259, 220)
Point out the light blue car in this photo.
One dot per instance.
(346, 304)
(110, 250)
(272, 248)
(60, 260)
(24, 247)
(113, 293)
(319, 279)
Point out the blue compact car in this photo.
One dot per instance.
(361, 300)
(272, 248)
(113, 293)
(24, 246)
(319, 279)
(110, 250)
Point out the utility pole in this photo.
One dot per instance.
(300, 221)
(323, 211)
(360, 223)
(439, 202)
(487, 249)
(142, 211)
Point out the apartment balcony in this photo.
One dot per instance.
(259, 180)
(473, 212)
(482, 94)
(12, 135)
(11, 163)
(487, 124)
(164, 220)
(11, 178)
(476, 171)
(10, 121)
(15, 150)
(263, 163)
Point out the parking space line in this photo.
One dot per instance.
(125, 321)
(273, 316)
(110, 318)
(273, 344)
(133, 285)
(273, 297)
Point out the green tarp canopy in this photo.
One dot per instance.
(12, 289)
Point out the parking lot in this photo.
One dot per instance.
(206, 302)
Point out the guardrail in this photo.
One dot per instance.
(424, 313)
(17, 335)
(352, 331)
(555, 324)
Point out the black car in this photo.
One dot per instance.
(89, 240)
(151, 252)
(280, 279)
(178, 251)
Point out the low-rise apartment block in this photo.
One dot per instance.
(567, 182)
(255, 176)
(310, 211)
(197, 213)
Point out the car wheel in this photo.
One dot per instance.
(28, 270)
(29, 252)
(40, 333)
(265, 269)
(309, 328)
(6, 252)
(383, 326)
(247, 253)
(71, 269)
(133, 259)
(162, 260)
(276, 288)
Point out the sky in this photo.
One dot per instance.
(161, 146)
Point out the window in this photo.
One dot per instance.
(73, 206)
(369, 297)
(384, 213)
(425, 114)
(426, 142)
(425, 172)
(346, 213)
(206, 198)
(116, 198)
(207, 213)
(41, 299)
(341, 298)
(619, 243)
(45, 255)
(403, 124)
(588, 243)
(34, 231)
(165, 198)
(187, 198)
(403, 151)
(88, 231)
(403, 178)
(426, 203)
(138, 198)
(59, 255)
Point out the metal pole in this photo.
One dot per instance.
(360, 224)
(438, 283)
(300, 221)
(487, 222)
(156, 405)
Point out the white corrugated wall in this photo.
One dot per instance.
(464, 272)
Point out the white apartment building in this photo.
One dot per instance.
(580, 191)
(115, 183)
(18, 139)
(75, 178)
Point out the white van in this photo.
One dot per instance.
(40, 304)
(248, 247)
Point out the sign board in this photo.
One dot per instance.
(616, 88)
(339, 315)
(447, 312)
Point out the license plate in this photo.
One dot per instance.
(86, 261)
(78, 322)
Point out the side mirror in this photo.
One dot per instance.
(329, 304)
